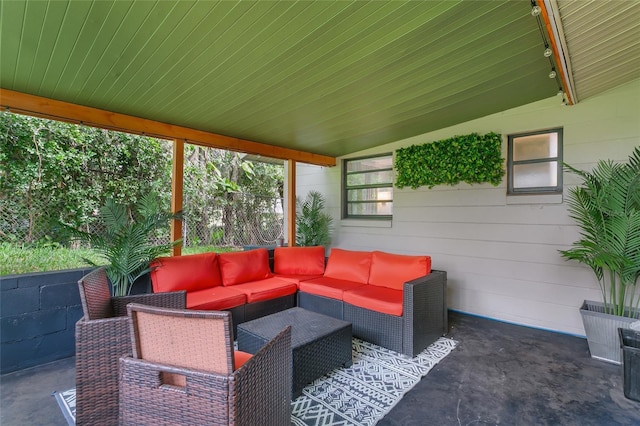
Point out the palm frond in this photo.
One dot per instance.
(606, 207)
(313, 224)
(126, 243)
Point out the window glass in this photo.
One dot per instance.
(370, 209)
(535, 146)
(368, 187)
(535, 175)
(535, 162)
(370, 194)
(370, 163)
(369, 178)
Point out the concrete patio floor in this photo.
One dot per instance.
(499, 374)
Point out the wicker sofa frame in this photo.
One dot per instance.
(256, 393)
(102, 337)
(424, 317)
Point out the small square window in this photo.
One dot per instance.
(535, 162)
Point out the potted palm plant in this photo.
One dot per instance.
(606, 207)
(313, 224)
(128, 242)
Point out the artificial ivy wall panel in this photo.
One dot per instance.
(470, 158)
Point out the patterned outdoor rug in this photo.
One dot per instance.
(359, 395)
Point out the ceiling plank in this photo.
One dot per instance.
(64, 111)
(330, 78)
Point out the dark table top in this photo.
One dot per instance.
(306, 326)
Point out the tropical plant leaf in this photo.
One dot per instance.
(127, 242)
(313, 224)
(606, 207)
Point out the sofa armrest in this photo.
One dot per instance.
(424, 311)
(174, 299)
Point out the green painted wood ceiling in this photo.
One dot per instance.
(319, 76)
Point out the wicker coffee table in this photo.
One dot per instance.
(319, 343)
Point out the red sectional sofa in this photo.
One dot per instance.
(392, 300)
(240, 282)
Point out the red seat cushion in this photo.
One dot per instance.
(191, 273)
(215, 299)
(244, 266)
(270, 288)
(298, 260)
(297, 279)
(349, 265)
(239, 358)
(328, 287)
(393, 270)
(380, 299)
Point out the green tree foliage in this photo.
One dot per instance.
(53, 171)
(56, 172)
(227, 195)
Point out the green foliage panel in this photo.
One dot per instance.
(470, 158)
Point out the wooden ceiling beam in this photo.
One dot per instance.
(38, 106)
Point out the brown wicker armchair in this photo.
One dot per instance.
(102, 337)
(183, 372)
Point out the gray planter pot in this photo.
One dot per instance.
(602, 331)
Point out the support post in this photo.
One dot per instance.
(291, 203)
(177, 179)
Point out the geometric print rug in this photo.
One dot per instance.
(359, 395)
(362, 394)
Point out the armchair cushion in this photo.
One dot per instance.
(393, 270)
(298, 260)
(216, 299)
(376, 298)
(240, 358)
(328, 287)
(244, 266)
(191, 273)
(349, 265)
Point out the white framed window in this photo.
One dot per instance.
(534, 162)
(368, 187)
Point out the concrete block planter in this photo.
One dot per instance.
(38, 315)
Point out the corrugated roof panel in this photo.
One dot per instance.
(603, 39)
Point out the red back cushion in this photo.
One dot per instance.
(349, 265)
(191, 273)
(393, 270)
(299, 260)
(243, 266)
